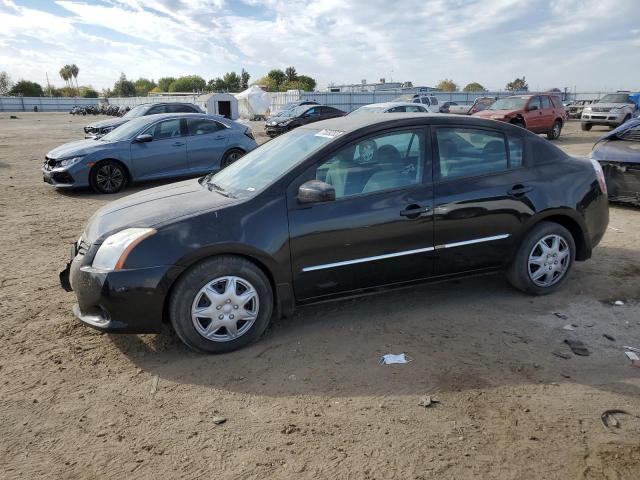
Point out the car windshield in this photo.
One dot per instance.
(126, 131)
(509, 103)
(262, 166)
(136, 112)
(368, 109)
(615, 98)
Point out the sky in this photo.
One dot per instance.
(588, 45)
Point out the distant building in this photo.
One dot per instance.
(381, 86)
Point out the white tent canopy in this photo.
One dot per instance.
(253, 102)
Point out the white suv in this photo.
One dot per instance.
(429, 101)
(612, 110)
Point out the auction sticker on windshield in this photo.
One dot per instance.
(329, 133)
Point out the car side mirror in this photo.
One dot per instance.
(315, 191)
(532, 108)
(144, 138)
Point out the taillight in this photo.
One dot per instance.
(600, 175)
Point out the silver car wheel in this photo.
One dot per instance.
(556, 130)
(225, 309)
(549, 260)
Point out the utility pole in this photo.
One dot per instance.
(48, 84)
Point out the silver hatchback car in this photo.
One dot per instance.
(149, 148)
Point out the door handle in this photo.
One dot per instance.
(220, 137)
(414, 211)
(519, 190)
(177, 144)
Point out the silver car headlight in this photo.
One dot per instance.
(586, 109)
(116, 248)
(70, 161)
(617, 110)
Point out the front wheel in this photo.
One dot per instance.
(221, 304)
(544, 259)
(554, 133)
(108, 177)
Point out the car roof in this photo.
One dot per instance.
(159, 116)
(351, 123)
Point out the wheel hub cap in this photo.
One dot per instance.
(225, 308)
(549, 260)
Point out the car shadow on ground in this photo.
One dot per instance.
(475, 333)
(88, 193)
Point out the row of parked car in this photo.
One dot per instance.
(338, 207)
(539, 113)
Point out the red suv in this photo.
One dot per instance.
(538, 113)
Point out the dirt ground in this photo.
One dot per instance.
(310, 400)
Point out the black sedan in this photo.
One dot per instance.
(338, 208)
(290, 119)
(619, 154)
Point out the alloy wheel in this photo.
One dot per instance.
(109, 178)
(225, 309)
(549, 260)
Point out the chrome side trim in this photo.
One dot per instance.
(406, 252)
(367, 259)
(475, 240)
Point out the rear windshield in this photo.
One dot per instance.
(615, 98)
(136, 111)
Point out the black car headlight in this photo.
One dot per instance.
(114, 251)
(106, 130)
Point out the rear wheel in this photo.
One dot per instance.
(108, 177)
(585, 127)
(221, 304)
(554, 133)
(230, 157)
(544, 259)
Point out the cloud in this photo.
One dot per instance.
(553, 43)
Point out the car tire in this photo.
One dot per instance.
(108, 176)
(230, 157)
(526, 270)
(518, 122)
(554, 133)
(207, 288)
(585, 127)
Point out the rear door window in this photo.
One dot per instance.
(467, 152)
(202, 126)
(180, 109)
(546, 102)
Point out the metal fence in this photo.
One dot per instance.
(345, 101)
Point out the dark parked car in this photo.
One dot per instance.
(337, 208)
(292, 105)
(619, 154)
(149, 148)
(98, 129)
(291, 119)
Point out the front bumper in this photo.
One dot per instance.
(58, 178)
(124, 301)
(603, 118)
(275, 130)
(623, 181)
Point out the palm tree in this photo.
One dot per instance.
(65, 74)
(74, 70)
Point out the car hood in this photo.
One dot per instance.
(610, 105)
(77, 148)
(490, 113)
(153, 207)
(109, 122)
(613, 150)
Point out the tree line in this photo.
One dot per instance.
(275, 81)
(448, 85)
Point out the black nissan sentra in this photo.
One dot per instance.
(336, 208)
